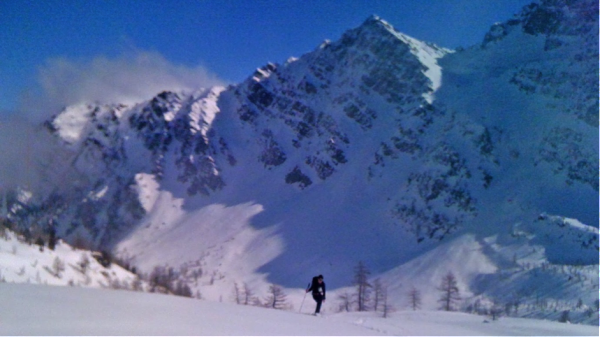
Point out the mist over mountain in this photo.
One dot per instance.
(375, 147)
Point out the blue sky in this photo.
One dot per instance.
(59, 49)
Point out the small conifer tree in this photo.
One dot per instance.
(450, 292)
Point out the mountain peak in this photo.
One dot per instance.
(374, 20)
(375, 23)
(551, 18)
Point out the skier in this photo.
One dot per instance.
(318, 292)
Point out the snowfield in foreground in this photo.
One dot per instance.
(45, 310)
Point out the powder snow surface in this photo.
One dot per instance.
(44, 310)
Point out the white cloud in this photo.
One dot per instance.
(125, 79)
(26, 154)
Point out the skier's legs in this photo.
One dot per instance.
(319, 299)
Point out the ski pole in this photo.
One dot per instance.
(306, 292)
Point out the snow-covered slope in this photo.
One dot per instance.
(78, 311)
(375, 147)
(21, 262)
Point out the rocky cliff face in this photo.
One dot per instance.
(568, 31)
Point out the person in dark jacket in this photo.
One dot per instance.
(318, 292)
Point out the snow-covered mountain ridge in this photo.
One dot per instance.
(376, 147)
